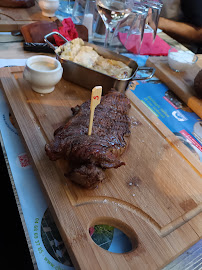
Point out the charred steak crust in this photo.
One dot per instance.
(89, 156)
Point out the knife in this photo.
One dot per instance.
(37, 47)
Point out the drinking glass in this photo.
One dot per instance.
(153, 15)
(131, 30)
(112, 12)
(136, 31)
(66, 6)
(78, 11)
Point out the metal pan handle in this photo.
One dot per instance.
(51, 34)
(151, 69)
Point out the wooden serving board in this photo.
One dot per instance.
(13, 18)
(155, 198)
(180, 83)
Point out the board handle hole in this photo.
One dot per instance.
(114, 238)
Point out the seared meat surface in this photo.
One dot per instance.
(89, 156)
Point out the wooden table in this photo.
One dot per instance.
(11, 20)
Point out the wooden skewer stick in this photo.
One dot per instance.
(95, 100)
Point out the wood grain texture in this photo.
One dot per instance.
(15, 51)
(155, 198)
(180, 83)
(14, 18)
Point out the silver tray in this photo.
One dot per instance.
(89, 78)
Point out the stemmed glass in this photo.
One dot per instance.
(112, 12)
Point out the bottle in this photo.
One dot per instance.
(88, 17)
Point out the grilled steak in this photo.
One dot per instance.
(89, 156)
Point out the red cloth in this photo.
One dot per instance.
(67, 30)
(159, 47)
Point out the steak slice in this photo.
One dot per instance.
(89, 156)
(88, 176)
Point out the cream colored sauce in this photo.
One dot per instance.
(43, 66)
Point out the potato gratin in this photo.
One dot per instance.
(77, 52)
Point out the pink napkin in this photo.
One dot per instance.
(159, 47)
(67, 30)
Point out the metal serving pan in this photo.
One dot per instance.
(89, 78)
